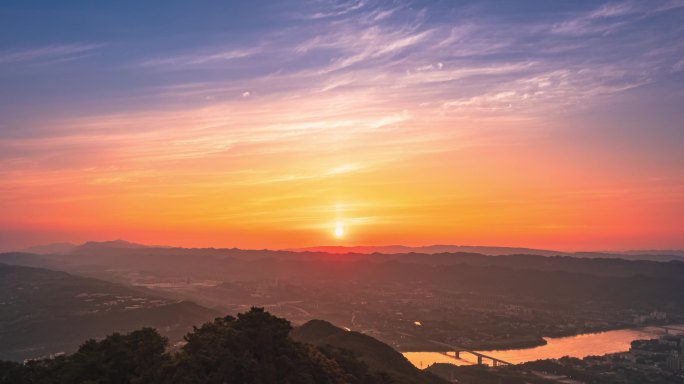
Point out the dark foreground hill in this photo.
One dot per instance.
(376, 354)
(45, 312)
(255, 347)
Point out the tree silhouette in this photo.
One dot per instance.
(253, 348)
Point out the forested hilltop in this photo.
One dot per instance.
(254, 347)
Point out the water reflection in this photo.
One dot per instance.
(576, 346)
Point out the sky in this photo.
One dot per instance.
(280, 124)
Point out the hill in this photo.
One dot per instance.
(45, 311)
(376, 354)
(650, 255)
(254, 347)
(50, 248)
(95, 246)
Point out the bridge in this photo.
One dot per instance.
(629, 325)
(667, 328)
(481, 357)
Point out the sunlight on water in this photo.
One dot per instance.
(576, 346)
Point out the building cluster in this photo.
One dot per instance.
(653, 316)
(663, 354)
(648, 361)
(675, 361)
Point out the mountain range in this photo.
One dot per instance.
(651, 254)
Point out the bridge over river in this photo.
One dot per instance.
(579, 346)
(481, 357)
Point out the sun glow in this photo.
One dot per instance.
(339, 230)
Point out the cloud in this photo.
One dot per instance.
(612, 10)
(399, 62)
(678, 66)
(610, 17)
(339, 9)
(344, 168)
(48, 52)
(339, 79)
(400, 56)
(198, 59)
(671, 4)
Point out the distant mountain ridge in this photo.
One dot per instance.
(99, 246)
(47, 249)
(653, 255)
(114, 245)
(88, 246)
(432, 249)
(674, 252)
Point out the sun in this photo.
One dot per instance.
(339, 230)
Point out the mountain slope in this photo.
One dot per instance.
(44, 311)
(376, 354)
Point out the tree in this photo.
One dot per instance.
(253, 348)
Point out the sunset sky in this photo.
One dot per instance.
(265, 124)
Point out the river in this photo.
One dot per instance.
(556, 347)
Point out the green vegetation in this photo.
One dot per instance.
(255, 347)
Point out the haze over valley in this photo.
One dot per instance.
(410, 301)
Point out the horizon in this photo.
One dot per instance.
(324, 247)
(278, 125)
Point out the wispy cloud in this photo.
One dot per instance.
(610, 17)
(206, 57)
(48, 52)
(384, 71)
(339, 9)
